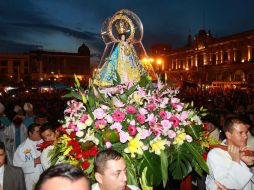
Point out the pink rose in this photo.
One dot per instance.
(131, 110)
(100, 124)
(163, 114)
(143, 111)
(141, 118)
(171, 134)
(108, 145)
(99, 113)
(84, 118)
(151, 107)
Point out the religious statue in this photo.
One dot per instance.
(123, 58)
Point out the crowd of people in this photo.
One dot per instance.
(27, 121)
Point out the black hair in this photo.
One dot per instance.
(230, 121)
(102, 157)
(45, 127)
(67, 171)
(31, 128)
(2, 146)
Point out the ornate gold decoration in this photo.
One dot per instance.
(122, 23)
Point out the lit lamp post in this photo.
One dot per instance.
(159, 63)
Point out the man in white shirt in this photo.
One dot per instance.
(28, 157)
(110, 172)
(11, 178)
(14, 135)
(229, 168)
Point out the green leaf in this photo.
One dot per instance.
(131, 171)
(117, 80)
(76, 81)
(69, 95)
(144, 81)
(198, 157)
(131, 90)
(143, 181)
(153, 174)
(194, 130)
(164, 167)
(180, 165)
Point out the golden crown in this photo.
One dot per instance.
(121, 26)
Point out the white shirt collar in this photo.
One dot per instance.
(1, 174)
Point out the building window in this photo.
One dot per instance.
(16, 63)
(26, 64)
(4, 63)
(238, 55)
(213, 59)
(252, 54)
(225, 56)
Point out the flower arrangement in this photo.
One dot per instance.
(146, 122)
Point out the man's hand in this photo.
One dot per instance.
(234, 152)
(249, 160)
(220, 186)
(37, 161)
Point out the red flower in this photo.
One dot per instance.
(44, 145)
(73, 142)
(61, 130)
(79, 156)
(205, 126)
(86, 154)
(73, 134)
(85, 165)
(175, 121)
(204, 156)
(94, 151)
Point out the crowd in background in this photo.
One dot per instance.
(220, 104)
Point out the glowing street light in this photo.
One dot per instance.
(159, 61)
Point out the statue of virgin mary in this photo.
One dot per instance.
(122, 34)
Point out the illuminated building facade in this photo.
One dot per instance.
(206, 59)
(44, 65)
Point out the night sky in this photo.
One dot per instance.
(63, 25)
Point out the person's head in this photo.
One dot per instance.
(33, 132)
(18, 110)
(63, 176)
(122, 37)
(28, 107)
(41, 119)
(2, 154)
(110, 170)
(17, 120)
(236, 129)
(48, 132)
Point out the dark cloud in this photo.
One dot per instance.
(84, 35)
(22, 21)
(12, 46)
